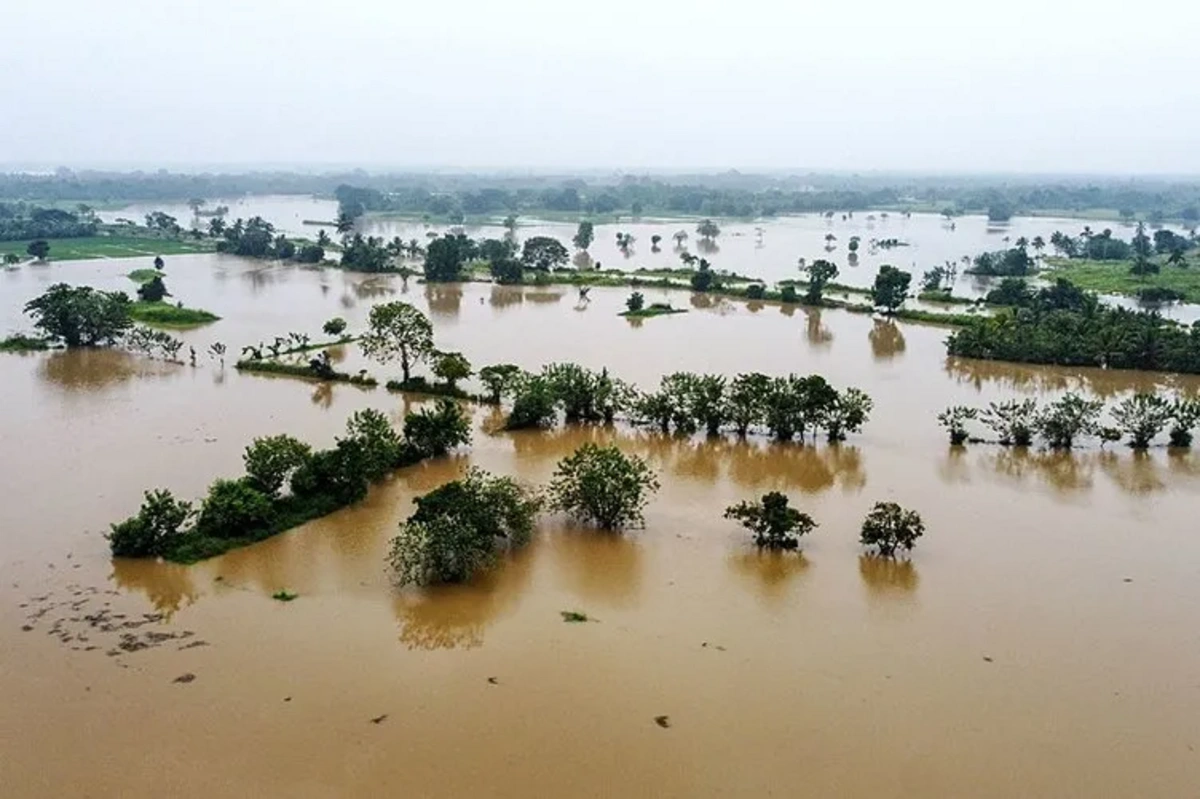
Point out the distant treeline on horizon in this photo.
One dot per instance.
(730, 194)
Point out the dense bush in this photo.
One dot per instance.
(234, 509)
(602, 486)
(80, 316)
(270, 461)
(773, 523)
(456, 528)
(889, 527)
(154, 530)
(432, 432)
(334, 327)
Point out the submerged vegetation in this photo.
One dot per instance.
(252, 507)
(602, 486)
(773, 523)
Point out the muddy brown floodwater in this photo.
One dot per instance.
(1042, 640)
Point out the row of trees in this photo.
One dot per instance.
(1140, 417)
(255, 506)
(1063, 325)
(459, 528)
(256, 238)
(20, 221)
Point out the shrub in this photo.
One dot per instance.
(635, 302)
(153, 290)
(889, 527)
(455, 529)
(773, 523)
(1066, 419)
(756, 291)
(847, 413)
(788, 294)
(451, 367)
(334, 327)
(1012, 421)
(332, 478)
(234, 509)
(602, 486)
(499, 379)
(436, 432)
(378, 441)
(271, 460)
(1184, 415)
(153, 530)
(1142, 417)
(535, 405)
(955, 420)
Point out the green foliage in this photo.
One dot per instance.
(708, 229)
(435, 432)
(955, 420)
(1012, 421)
(154, 530)
(39, 249)
(1185, 413)
(1011, 291)
(788, 294)
(534, 405)
(573, 616)
(756, 291)
(234, 509)
(334, 327)
(744, 401)
(846, 413)
(635, 302)
(774, 524)
(500, 379)
(819, 273)
(332, 478)
(397, 330)
(584, 235)
(451, 367)
(272, 460)
(889, 527)
(152, 343)
(890, 289)
(705, 402)
(544, 253)
(283, 595)
(310, 253)
(153, 290)
(793, 404)
(18, 342)
(704, 279)
(1013, 262)
(508, 271)
(455, 529)
(602, 486)
(366, 254)
(377, 441)
(80, 316)
(1142, 417)
(445, 257)
(1067, 418)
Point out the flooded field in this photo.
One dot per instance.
(1042, 640)
(766, 249)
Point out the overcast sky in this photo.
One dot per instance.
(1021, 85)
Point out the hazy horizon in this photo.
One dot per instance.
(926, 88)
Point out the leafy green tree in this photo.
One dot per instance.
(680, 237)
(435, 432)
(534, 405)
(655, 240)
(1067, 418)
(889, 527)
(39, 249)
(773, 523)
(584, 235)
(1177, 258)
(708, 229)
(80, 316)
(890, 289)
(820, 272)
(216, 227)
(334, 327)
(1185, 413)
(602, 486)
(333, 478)
(704, 279)
(345, 223)
(1142, 417)
(1012, 421)
(397, 330)
(507, 271)
(456, 528)
(635, 302)
(499, 379)
(1000, 211)
(378, 444)
(445, 257)
(155, 528)
(493, 250)
(788, 295)
(544, 253)
(955, 420)
(451, 367)
(756, 291)
(846, 413)
(272, 460)
(11, 258)
(744, 401)
(707, 404)
(234, 509)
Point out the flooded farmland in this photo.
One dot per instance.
(1041, 641)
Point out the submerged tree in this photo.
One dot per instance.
(773, 523)
(955, 419)
(889, 527)
(451, 367)
(155, 528)
(1142, 417)
(819, 273)
(602, 486)
(80, 316)
(584, 235)
(272, 460)
(397, 330)
(1013, 421)
(432, 432)
(500, 379)
(1067, 418)
(1185, 413)
(890, 289)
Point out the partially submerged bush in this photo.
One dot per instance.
(535, 405)
(234, 509)
(378, 441)
(1142, 417)
(334, 327)
(889, 527)
(437, 431)
(157, 525)
(1067, 418)
(499, 379)
(1184, 415)
(955, 419)
(774, 524)
(271, 460)
(457, 527)
(1012, 421)
(602, 486)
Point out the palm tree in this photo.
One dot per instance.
(345, 223)
(1022, 243)
(1177, 258)
(1039, 244)
(322, 238)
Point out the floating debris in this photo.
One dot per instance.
(573, 616)
(184, 678)
(663, 721)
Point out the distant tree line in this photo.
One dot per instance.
(19, 221)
